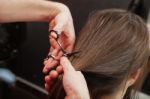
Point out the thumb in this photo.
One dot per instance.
(58, 27)
(67, 66)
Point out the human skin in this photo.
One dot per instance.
(74, 82)
(56, 14)
(28, 10)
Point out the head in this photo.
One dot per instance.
(114, 52)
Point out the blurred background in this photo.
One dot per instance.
(23, 46)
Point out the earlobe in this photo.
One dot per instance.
(133, 77)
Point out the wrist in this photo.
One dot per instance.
(56, 8)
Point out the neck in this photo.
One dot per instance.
(113, 96)
(119, 94)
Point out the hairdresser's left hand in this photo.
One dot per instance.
(73, 81)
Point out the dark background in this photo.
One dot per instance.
(29, 41)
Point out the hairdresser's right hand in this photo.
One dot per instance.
(63, 24)
(73, 81)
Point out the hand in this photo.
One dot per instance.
(73, 81)
(62, 23)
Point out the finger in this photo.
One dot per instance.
(49, 66)
(52, 63)
(59, 69)
(58, 27)
(54, 52)
(67, 67)
(60, 54)
(50, 79)
(53, 43)
(49, 61)
(46, 69)
(47, 87)
(53, 74)
(45, 61)
(47, 79)
(53, 35)
(48, 82)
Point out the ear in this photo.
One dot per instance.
(133, 77)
